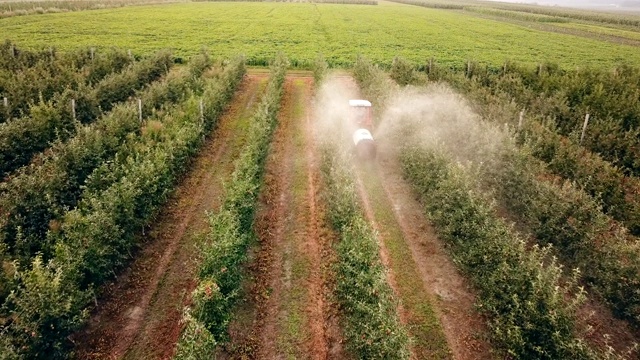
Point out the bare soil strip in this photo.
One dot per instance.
(604, 330)
(321, 306)
(287, 313)
(464, 328)
(138, 315)
(436, 301)
(415, 309)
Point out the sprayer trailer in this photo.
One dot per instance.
(365, 147)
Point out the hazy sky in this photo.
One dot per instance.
(618, 5)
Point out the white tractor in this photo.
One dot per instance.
(361, 120)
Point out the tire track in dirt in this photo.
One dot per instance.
(408, 244)
(287, 311)
(384, 252)
(464, 328)
(274, 221)
(323, 311)
(446, 290)
(139, 315)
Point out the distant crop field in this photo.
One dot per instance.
(597, 29)
(302, 30)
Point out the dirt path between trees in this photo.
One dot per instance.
(288, 310)
(452, 296)
(436, 302)
(287, 313)
(138, 315)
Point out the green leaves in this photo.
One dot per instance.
(94, 239)
(53, 120)
(231, 230)
(44, 310)
(530, 306)
(371, 324)
(520, 289)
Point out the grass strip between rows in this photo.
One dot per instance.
(224, 250)
(96, 238)
(423, 324)
(371, 323)
(530, 306)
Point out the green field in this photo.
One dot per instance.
(596, 29)
(302, 30)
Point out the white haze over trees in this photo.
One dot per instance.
(608, 5)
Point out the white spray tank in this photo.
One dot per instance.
(363, 141)
(365, 147)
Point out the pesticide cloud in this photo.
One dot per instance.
(436, 118)
(331, 110)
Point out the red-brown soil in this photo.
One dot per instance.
(138, 315)
(289, 312)
(450, 295)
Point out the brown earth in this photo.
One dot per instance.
(288, 313)
(138, 315)
(604, 330)
(464, 328)
(450, 294)
(288, 310)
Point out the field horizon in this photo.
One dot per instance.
(302, 30)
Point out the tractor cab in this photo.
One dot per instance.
(361, 114)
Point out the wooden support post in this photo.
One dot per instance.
(201, 111)
(93, 50)
(584, 127)
(140, 110)
(521, 119)
(468, 68)
(73, 109)
(5, 101)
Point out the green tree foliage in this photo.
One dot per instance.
(26, 84)
(52, 120)
(520, 289)
(371, 324)
(611, 98)
(529, 305)
(91, 241)
(224, 250)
